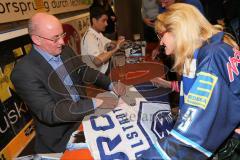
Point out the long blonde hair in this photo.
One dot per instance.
(190, 28)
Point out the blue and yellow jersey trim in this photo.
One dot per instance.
(201, 91)
(187, 141)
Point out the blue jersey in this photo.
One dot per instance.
(209, 104)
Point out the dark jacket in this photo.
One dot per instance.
(54, 112)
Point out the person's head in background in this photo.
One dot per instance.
(166, 3)
(98, 18)
(46, 33)
(182, 29)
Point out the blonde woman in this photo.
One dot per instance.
(208, 61)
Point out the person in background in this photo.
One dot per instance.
(208, 61)
(166, 3)
(51, 81)
(93, 43)
(110, 31)
(110, 28)
(150, 10)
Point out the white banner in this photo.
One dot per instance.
(127, 131)
(14, 10)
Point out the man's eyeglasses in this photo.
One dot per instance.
(160, 35)
(54, 39)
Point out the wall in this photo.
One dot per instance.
(129, 19)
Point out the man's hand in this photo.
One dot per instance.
(119, 88)
(159, 82)
(106, 101)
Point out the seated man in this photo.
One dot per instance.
(51, 82)
(93, 43)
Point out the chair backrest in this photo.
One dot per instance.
(72, 38)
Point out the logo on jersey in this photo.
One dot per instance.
(201, 91)
(232, 65)
(162, 123)
(187, 119)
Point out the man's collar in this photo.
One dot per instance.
(98, 34)
(48, 57)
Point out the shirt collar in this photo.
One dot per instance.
(217, 37)
(48, 57)
(98, 34)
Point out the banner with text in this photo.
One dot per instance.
(15, 127)
(14, 10)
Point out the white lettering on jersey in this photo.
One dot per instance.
(232, 65)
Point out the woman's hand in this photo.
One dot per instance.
(159, 82)
(237, 130)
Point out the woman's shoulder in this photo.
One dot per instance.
(216, 50)
(219, 58)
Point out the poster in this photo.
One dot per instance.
(14, 114)
(75, 30)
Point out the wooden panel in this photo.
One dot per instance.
(129, 19)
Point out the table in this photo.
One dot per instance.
(138, 73)
(144, 71)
